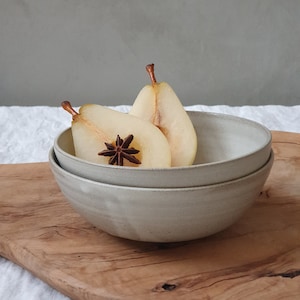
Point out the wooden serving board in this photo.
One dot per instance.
(257, 258)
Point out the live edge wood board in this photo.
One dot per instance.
(256, 258)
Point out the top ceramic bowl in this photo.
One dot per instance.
(160, 215)
(229, 147)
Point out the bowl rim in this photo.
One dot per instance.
(169, 169)
(54, 163)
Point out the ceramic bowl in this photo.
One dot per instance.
(228, 147)
(157, 214)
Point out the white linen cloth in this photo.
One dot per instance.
(27, 134)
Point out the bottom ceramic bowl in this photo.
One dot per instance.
(160, 215)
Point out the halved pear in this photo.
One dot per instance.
(96, 128)
(159, 104)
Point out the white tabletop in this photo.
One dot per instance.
(26, 135)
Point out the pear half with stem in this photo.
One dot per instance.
(106, 136)
(159, 104)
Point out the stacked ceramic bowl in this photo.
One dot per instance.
(233, 161)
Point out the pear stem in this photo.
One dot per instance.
(66, 105)
(150, 70)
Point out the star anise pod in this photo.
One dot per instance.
(120, 151)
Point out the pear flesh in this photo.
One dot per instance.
(159, 104)
(96, 125)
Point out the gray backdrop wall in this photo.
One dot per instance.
(236, 52)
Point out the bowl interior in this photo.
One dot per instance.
(223, 137)
(220, 138)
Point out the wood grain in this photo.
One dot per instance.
(257, 258)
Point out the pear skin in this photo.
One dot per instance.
(159, 104)
(94, 125)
